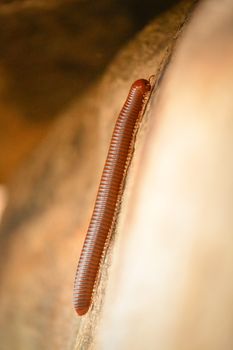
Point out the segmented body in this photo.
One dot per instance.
(108, 196)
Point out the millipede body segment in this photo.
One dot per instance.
(109, 195)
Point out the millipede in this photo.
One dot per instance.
(109, 194)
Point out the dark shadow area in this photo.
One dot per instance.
(52, 53)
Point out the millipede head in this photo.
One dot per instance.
(142, 84)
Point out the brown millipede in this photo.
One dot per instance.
(109, 194)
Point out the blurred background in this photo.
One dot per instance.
(50, 51)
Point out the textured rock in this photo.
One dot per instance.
(51, 199)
